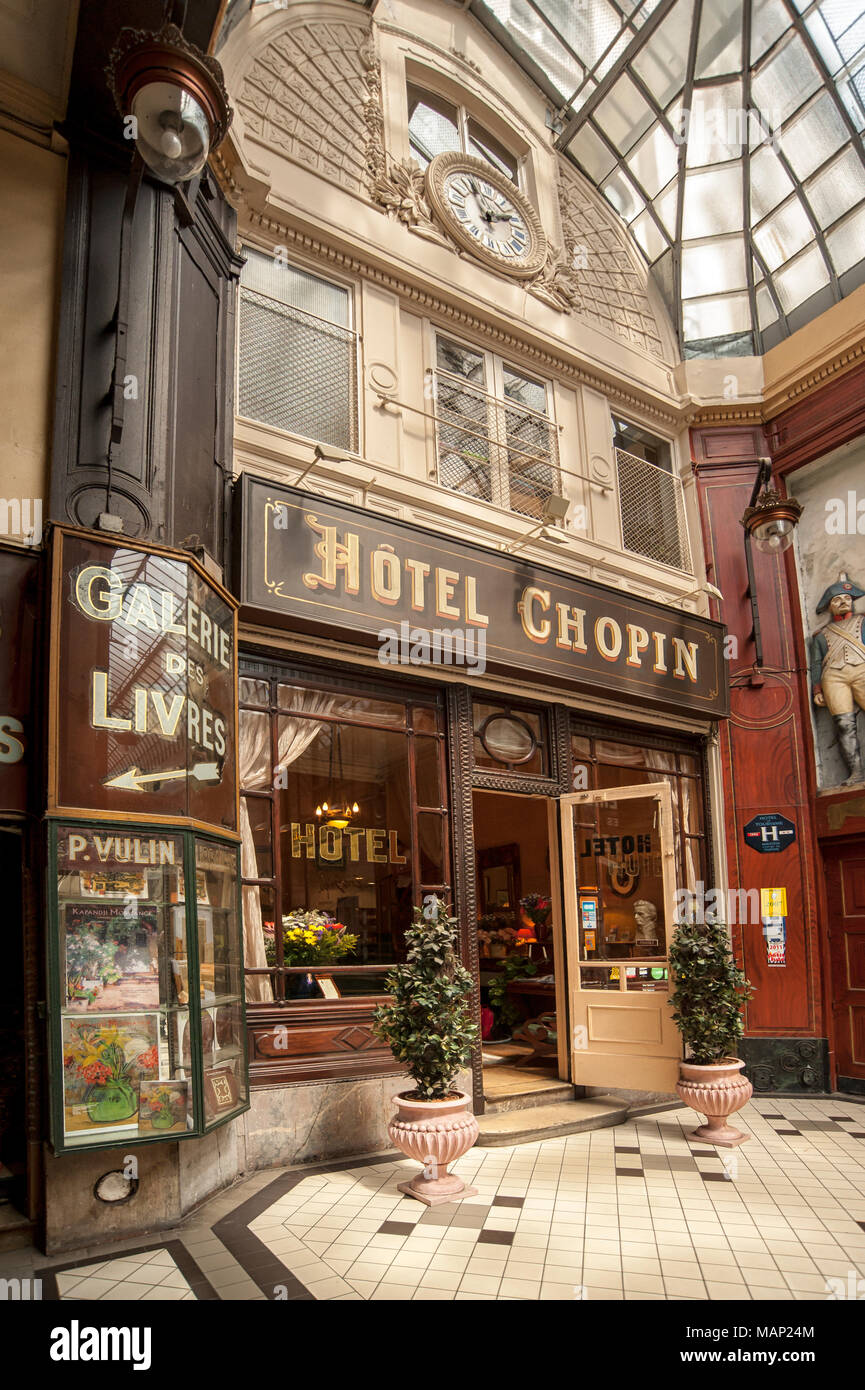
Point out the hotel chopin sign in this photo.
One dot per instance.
(324, 567)
(143, 683)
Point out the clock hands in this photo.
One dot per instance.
(487, 208)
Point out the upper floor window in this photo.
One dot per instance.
(650, 497)
(495, 436)
(298, 352)
(436, 125)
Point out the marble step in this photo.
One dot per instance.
(549, 1121)
(553, 1093)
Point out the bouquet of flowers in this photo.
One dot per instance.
(309, 938)
(534, 909)
(495, 936)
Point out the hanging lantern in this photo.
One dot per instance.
(176, 98)
(771, 521)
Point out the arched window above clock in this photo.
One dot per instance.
(438, 125)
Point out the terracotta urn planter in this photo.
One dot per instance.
(716, 1090)
(435, 1133)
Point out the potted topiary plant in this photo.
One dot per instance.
(428, 1028)
(707, 1008)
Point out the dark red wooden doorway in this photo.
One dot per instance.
(845, 882)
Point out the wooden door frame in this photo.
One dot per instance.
(657, 791)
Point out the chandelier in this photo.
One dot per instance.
(339, 810)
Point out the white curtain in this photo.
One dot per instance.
(295, 736)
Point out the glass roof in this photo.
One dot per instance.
(728, 136)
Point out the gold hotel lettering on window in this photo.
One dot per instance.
(329, 842)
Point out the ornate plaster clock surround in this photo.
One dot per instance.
(486, 214)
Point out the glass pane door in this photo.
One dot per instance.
(619, 891)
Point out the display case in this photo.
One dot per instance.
(147, 1027)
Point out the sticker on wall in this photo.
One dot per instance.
(775, 932)
(773, 902)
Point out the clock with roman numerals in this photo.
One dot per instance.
(486, 214)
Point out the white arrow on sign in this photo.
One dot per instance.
(135, 780)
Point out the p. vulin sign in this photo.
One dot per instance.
(144, 684)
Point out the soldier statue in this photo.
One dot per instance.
(838, 668)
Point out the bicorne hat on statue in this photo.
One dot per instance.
(844, 585)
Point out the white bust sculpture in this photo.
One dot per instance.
(646, 920)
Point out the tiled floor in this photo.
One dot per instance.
(635, 1212)
(154, 1272)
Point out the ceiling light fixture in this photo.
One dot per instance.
(339, 811)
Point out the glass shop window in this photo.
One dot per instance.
(147, 1023)
(437, 126)
(510, 738)
(344, 828)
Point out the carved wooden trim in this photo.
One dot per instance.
(460, 749)
(323, 1040)
(560, 731)
(512, 782)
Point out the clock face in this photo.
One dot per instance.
(486, 214)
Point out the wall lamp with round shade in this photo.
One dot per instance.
(769, 521)
(177, 96)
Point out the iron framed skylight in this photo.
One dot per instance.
(728, 136)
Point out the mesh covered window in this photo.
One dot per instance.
(298, 352)
(650, 497)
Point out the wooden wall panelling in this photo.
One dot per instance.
(171, 471)
(765, 751)
(315, 1039)
(821, 421)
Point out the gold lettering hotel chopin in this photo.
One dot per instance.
(454, 596)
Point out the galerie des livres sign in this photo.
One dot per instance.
(317, 565)
(143, 689)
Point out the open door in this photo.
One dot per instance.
(618, 860)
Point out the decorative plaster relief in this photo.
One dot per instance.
(382, 377)
(400, 188)
(314, 95)
(598, 268)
